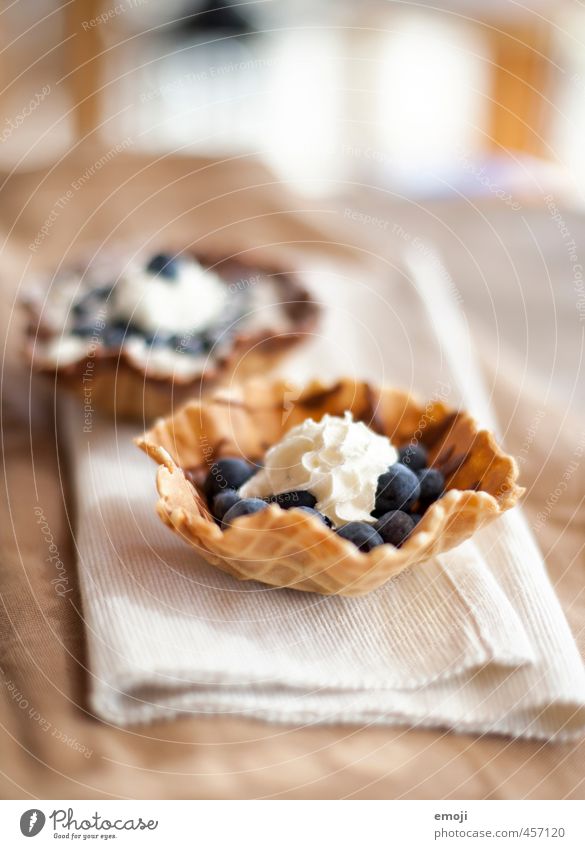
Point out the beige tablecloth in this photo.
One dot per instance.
(51, 745)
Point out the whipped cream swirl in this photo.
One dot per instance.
(336, 459)
(192, 300)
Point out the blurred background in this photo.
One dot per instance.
(434, 99)
(459, 124)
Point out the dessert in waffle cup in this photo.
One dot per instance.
(118, 382)
(290, 548)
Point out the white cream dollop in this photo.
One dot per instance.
(62, 351)
(190, 301)
(163, 362)
(336, 459)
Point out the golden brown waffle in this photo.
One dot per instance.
(123, 390)
(289, 548)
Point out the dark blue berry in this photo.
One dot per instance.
(192, 344)
(89, 303)
(223, 501)
(312, 512)
(394, 526)
(415, 457)
(416, 517)
(218, 338)
(164, 265)
(117, 332)
(398, 489)
(80, 308)
(85, 328)
(244, 507)
(102, 292)
(295, 498)
(432, 484)
(157, 339)
(114, 337)
(227, 473)
(213, 335)
(364, 536)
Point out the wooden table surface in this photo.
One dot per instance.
(51, 746)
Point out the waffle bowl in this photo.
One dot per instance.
(115, 382)
(288, 548)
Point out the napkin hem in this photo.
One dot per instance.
(411, 719)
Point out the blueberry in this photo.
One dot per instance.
(244, 507)
(295, 498)
(89, 303)
(102, 292)
(223, 501)
(157, 339)
(432, 484)
(217, 337)
(394, 527)
(213, 334)
(188, 343)
(85, 328)
(364, 536)
(80, 308)
(117, 332)
(416, 517)
(398, 489)
(164, 265)
(227, 473)
(114, 337)
(415, 456)
(312, 512)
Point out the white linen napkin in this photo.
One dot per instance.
(474, 640)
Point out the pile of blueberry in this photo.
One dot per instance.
(404, 492)
(87, 315)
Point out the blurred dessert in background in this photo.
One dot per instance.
(162, 329)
